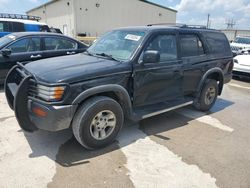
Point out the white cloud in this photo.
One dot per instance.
(33, 1)
(209, 5)
(195, 11)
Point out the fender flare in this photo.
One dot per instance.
(118, 90)
(205, 76)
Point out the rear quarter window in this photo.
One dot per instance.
(5, 26)
(218, 44)
(18, 27)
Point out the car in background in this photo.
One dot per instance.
(240, 45)
(31, 46)
(55, 30)
(242, 66)
(10, 23)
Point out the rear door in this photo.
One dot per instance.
(25, 49)
(193, 55)
(58, 46)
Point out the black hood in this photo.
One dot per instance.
(73, 68)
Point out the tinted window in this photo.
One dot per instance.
(242, 40)
(218, 43)
(5, 26)
(191, 45)
(18, 27)
(25, 45)
(166, 45)
(59, 44)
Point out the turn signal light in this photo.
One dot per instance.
(39, 112)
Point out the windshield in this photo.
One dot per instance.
(118, 44)
(6, 39)
(242, 40)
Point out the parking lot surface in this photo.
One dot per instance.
(182, 148)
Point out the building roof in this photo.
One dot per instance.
(145, 1)
(51, 1)
(155, 4)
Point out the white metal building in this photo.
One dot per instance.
(94, 17)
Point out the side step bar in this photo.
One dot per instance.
(144, 112)
(166, 110)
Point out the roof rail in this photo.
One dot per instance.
(19, 16)
(167, 24)
(179, 25)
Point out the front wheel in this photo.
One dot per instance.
(207, 96)
(97, 122)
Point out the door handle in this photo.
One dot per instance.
(70, 53)
(35, 56)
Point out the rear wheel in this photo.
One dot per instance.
(97, 122)
(207, 96)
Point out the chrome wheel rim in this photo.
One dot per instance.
(103, 125)
(210, 95)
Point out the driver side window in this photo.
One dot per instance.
(165, 45)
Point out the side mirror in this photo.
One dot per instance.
(151, 56)
(6, 52)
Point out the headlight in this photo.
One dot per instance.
(50, 93)
(235, 61)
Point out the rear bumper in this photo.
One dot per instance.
(241, 74)
(241, 70)
(54, 118)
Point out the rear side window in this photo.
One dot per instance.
(190, 45)
(18, 27)
(218, 44)
(52, 43)
(5, 26)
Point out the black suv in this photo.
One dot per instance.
(133, 73)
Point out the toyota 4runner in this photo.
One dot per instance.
(132, 73)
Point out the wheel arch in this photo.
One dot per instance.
(113, 91)
(216, 74)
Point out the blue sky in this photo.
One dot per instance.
(189, 11)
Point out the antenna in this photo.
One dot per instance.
(208, 20)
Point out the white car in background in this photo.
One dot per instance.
(242, 66)
(240, 45)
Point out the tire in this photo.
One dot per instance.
(207, 96)
(94, 116)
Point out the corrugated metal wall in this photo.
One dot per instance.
(98, 16)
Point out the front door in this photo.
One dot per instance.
(159, 81)
(27, 49)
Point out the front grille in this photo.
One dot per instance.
(32, 92)
(235, 48)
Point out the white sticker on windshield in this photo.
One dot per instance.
(133, 37)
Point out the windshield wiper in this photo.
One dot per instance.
(88, 53)
(107, 56)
